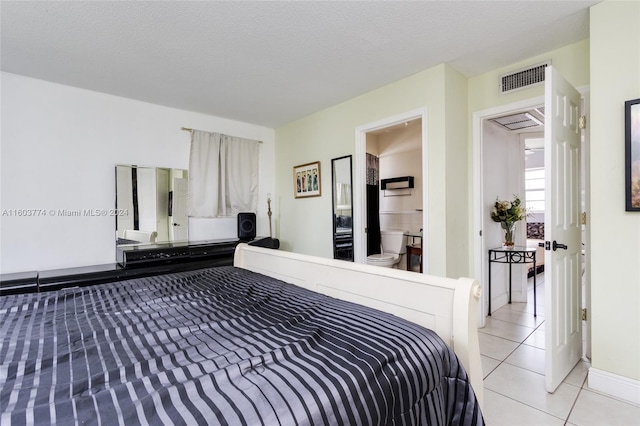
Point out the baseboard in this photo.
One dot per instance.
(617, 386)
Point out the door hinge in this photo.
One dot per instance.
(583, 218)
(582, 123)
(584, 314)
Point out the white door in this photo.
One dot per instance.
(563, 255)
(179, 220)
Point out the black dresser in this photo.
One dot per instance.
(131, 262)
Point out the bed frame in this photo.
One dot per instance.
(447, 306)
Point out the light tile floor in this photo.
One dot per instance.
(512, 349)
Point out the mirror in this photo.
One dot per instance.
(152, 205)
(342, 208)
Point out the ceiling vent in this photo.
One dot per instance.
(523, 78)
(519, 121)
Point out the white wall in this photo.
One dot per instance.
(400, 154)
(59, 147)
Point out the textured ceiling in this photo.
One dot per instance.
(269, 63)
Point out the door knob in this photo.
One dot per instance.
(557, 246)
(176, 224)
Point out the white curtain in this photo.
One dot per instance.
(343, 195)
(223, 175)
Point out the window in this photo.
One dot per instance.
(223, 175)
(534, 189)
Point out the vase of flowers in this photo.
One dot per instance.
(509, 231)
(508, 213)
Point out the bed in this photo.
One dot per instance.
(534, 243)
(242, 345)
(535, 239)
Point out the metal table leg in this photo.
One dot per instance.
(489, 314)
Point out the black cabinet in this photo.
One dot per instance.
(19, 282)
(218, 252)
(343, 246)
(132, 262)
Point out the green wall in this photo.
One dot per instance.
(615, 234)
(571, 60)
(449, 99)
(573, 63)
(306, 223)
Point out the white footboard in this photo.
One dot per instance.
(445, 305)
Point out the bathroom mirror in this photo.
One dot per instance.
(342, 208)
(152, 205)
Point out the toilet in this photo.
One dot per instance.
(394, 245)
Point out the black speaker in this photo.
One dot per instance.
(246, 226)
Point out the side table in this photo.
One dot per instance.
(511, 255)
(414, 250)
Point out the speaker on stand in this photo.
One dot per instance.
(246, 226)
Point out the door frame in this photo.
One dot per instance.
(359, 181)
(585, 92)
(479, 248)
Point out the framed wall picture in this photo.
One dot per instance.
(632, 154)
(306, 180)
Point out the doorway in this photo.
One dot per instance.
(416, 120)
(510, 162)
(513, 160)
(510, 174)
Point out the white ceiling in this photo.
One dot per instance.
(269, 63)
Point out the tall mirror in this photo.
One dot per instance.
(342, 208)
(152, 205)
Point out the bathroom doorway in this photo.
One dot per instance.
(398, 145)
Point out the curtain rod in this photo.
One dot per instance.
(188, 129)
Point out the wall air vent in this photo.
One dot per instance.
(523, 78)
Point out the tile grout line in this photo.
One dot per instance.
(519, 344)
(533, 330)
(528, 405)
(503, 361)
(580, 389)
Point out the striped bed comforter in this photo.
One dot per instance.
(220, 346)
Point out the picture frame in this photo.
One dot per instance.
(306, 180)
(632, 154)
